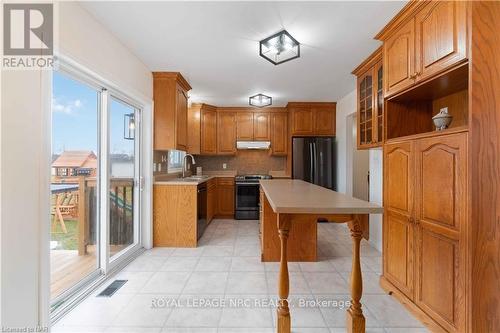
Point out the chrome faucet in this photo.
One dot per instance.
(184, 164)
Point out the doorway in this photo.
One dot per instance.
(96, 183)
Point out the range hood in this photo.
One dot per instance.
(253, 144)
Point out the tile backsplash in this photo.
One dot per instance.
(244, 162)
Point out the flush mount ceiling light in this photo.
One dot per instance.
(279, 48)
(260, 100)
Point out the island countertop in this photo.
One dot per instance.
(293, 196)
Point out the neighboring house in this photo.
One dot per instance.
(122, 166)
(74, 163)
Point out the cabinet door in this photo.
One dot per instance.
(225, 197)
(440, 217)
(211, 199)
(261, 126)
(440, 36)
(302, 121)
(366, 107)
(226, 133)
(279, 134)
(208, 132)
(194, 130)
(398, 228)
(399, 54)
(245, 126)
(324, 121)
(181, 115)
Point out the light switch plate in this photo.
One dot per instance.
(224, 166)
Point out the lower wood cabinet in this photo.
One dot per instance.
(225, 197)
(425, 196)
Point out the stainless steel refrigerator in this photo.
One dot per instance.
(314, 160)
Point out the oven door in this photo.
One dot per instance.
(247, 196)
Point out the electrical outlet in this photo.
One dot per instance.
(224, 166)
(159, 167)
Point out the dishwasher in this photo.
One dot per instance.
(201, 209)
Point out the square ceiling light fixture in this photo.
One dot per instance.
(260, 100)
(279, 48)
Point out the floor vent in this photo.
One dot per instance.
(112, 288)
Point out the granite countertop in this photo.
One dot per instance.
(297, 196)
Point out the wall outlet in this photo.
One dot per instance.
(159, 167)
(224, 166)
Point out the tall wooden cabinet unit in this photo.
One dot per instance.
(370, 100)
(425, 196)
(426, 38)
(170, 111)
(226, 133)
(312, 119)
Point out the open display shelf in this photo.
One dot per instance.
(410, 113)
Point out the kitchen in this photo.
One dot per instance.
(239, 184)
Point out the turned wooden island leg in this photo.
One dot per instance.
(283, 312)
(355, 318)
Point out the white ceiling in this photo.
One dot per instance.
(215, 44)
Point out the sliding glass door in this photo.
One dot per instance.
(95, 182)
(124, 170)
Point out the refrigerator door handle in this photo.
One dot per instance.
(311, 157)
(315, 181)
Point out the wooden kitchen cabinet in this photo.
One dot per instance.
(245, 126)
(261, 126)
(170, 111)
(398, 227)
(312, 119)
(225, 197)
(440, 37)
(202, 129)
(440, 216)
(279, 134)
(226, 133)
(370, 97)
(425, 199)
(427, 38)
(208, 144)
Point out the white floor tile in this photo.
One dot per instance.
(206, 283)
(141, 312)
(166, 283)
(246, 283)
(214, 264)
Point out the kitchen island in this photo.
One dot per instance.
(297, 206)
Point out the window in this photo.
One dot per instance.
(175, 158)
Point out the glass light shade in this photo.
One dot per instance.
(129, 126)
(279, 48)
(260, 100)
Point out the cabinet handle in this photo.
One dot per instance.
(413, 76)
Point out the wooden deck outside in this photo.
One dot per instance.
(67, 268)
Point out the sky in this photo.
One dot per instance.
(75, 118)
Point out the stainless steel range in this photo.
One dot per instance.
(247, 196)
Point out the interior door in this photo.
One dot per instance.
(398, 228)
(441, 214)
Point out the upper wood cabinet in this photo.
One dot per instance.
(170, 111)
(202, 129)
(245, 126)
(279, 134)
(226, 133)
(312, 119)
(252, 126)
(440, 37)
(261, 126)
(208, 130)
(370, 99)
(399, 53)
(427, 38)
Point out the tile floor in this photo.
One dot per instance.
(222, 286)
